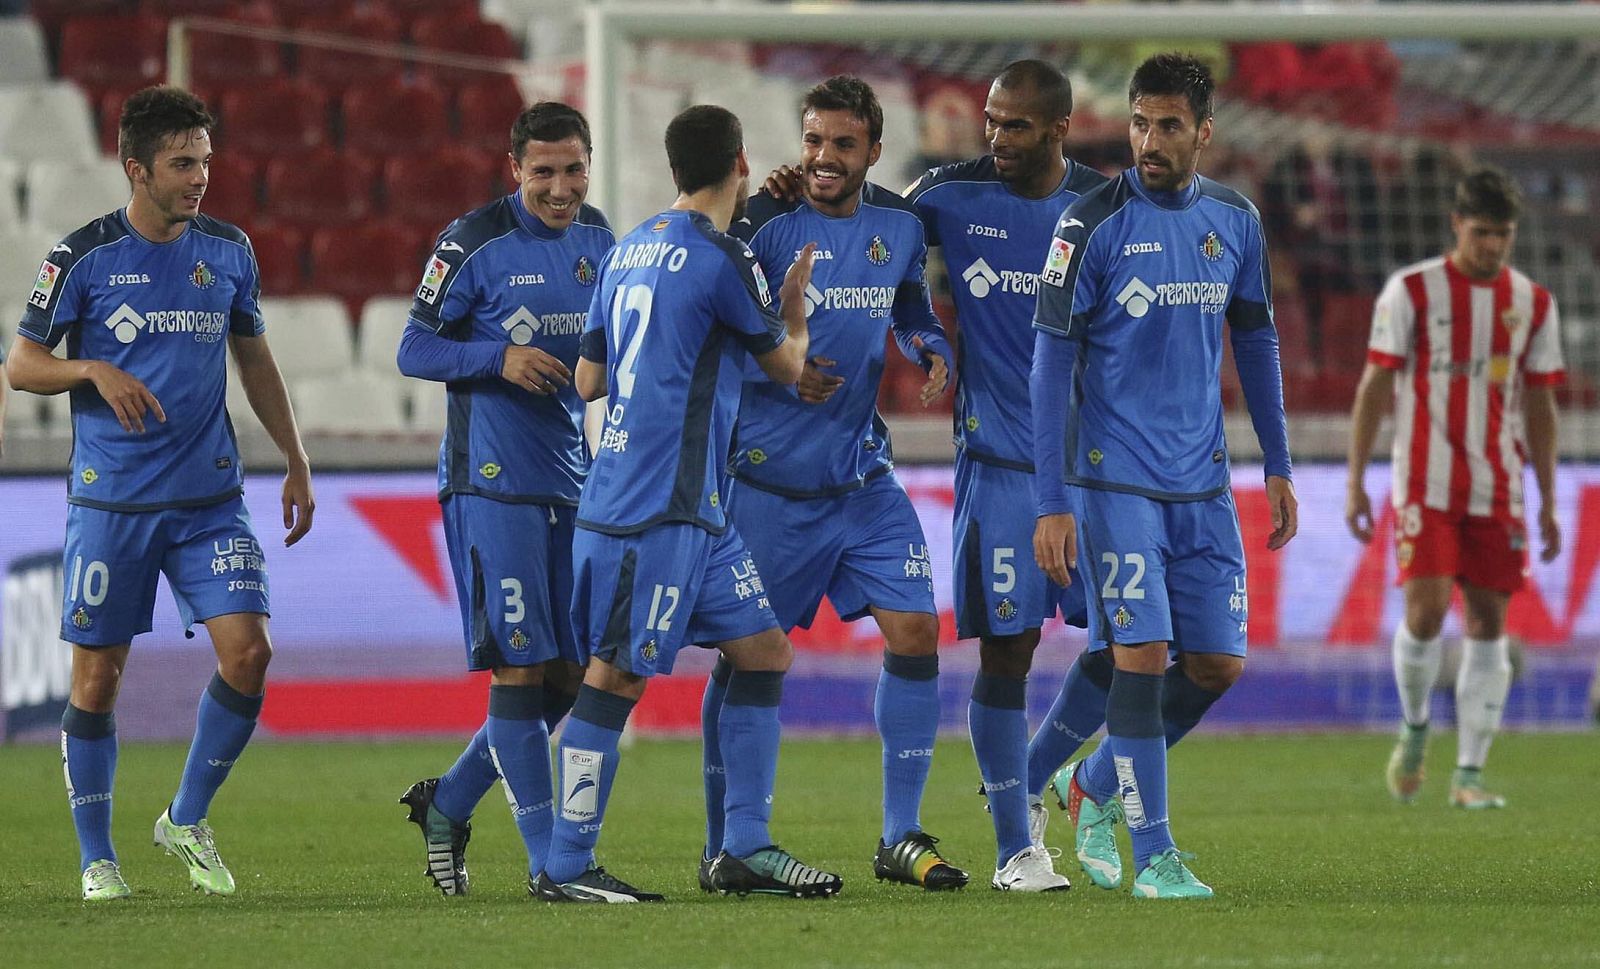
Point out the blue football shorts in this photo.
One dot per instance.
(1163, 571)
(861, 549)
(114, 559)
(513, 571)
(639, 598)
(999, 588)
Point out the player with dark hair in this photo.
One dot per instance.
(1127, 410)
(1469, 349)
(144, 297)
(678, 309)
(814, 490)
(993, 216)
(497, 320)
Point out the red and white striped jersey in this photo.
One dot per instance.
(1464, 350)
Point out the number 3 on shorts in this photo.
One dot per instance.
(1113, 564)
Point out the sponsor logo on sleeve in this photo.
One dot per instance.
(49, 273)
(432, 279)
(1055, 264)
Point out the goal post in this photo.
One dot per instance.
(611, 26)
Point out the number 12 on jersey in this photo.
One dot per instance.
(625, 340)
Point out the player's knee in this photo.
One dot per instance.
(1424, 620)
(96, 677)
(769, 652)
(914, 634)
(517, 676)
(1213, 672)
(1008, 656)
(1478, 626)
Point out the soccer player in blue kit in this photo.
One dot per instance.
(1127, 410)
(814, 492)
(679, 307)
(497, 319)
(993, 216)
(144, 297)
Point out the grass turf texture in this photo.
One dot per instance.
(1313, 866)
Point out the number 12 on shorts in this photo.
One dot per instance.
(663, 604)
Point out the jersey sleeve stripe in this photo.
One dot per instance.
(1554, 378)
(1386, 360)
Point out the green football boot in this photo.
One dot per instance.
(1405, 774)
(102, 881)
(1467, 791)
(195, 845)
(1168, 877)
(1096, 823)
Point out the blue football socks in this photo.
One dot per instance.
(906, 709)
(588, 764)
(1078, 711)
(223, 726)
(998, 722)
(467, 780)
(520, 744)
(748, 737)
(711, 770)
(1138, 747)
(89, 756)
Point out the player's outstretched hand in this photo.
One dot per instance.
(1358, 513)
(816, 386)
(795, 281)
(534, 370)
(1549, 533)
(783, 183)
(1055, 546)
(130, 399)
(938, 373)
(1285, 512)
(298, 503)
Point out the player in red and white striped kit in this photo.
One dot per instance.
(1470, 350)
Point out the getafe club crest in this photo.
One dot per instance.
(1122, 617)
(1211, 247)
(878, 252)
(519, 640)
(81, 618)
(1005, 610)
(584, 272)
(202, 276)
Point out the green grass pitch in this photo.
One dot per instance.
(1313, 865)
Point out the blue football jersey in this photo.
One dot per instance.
(991, 238)
(158, 312)
(678, 307)
(499, 275)
(1145, 283)
(867, 275)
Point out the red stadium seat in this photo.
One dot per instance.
(486, 108)
(274, 117)
(233, 192)
(339, 69)
(450, 33)
(324, 187)
(113, 50)
(280, 252)
(434, 188)
(231, 59)
(367, 259)
(51, 14)
(188, 8)
(389, 118)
